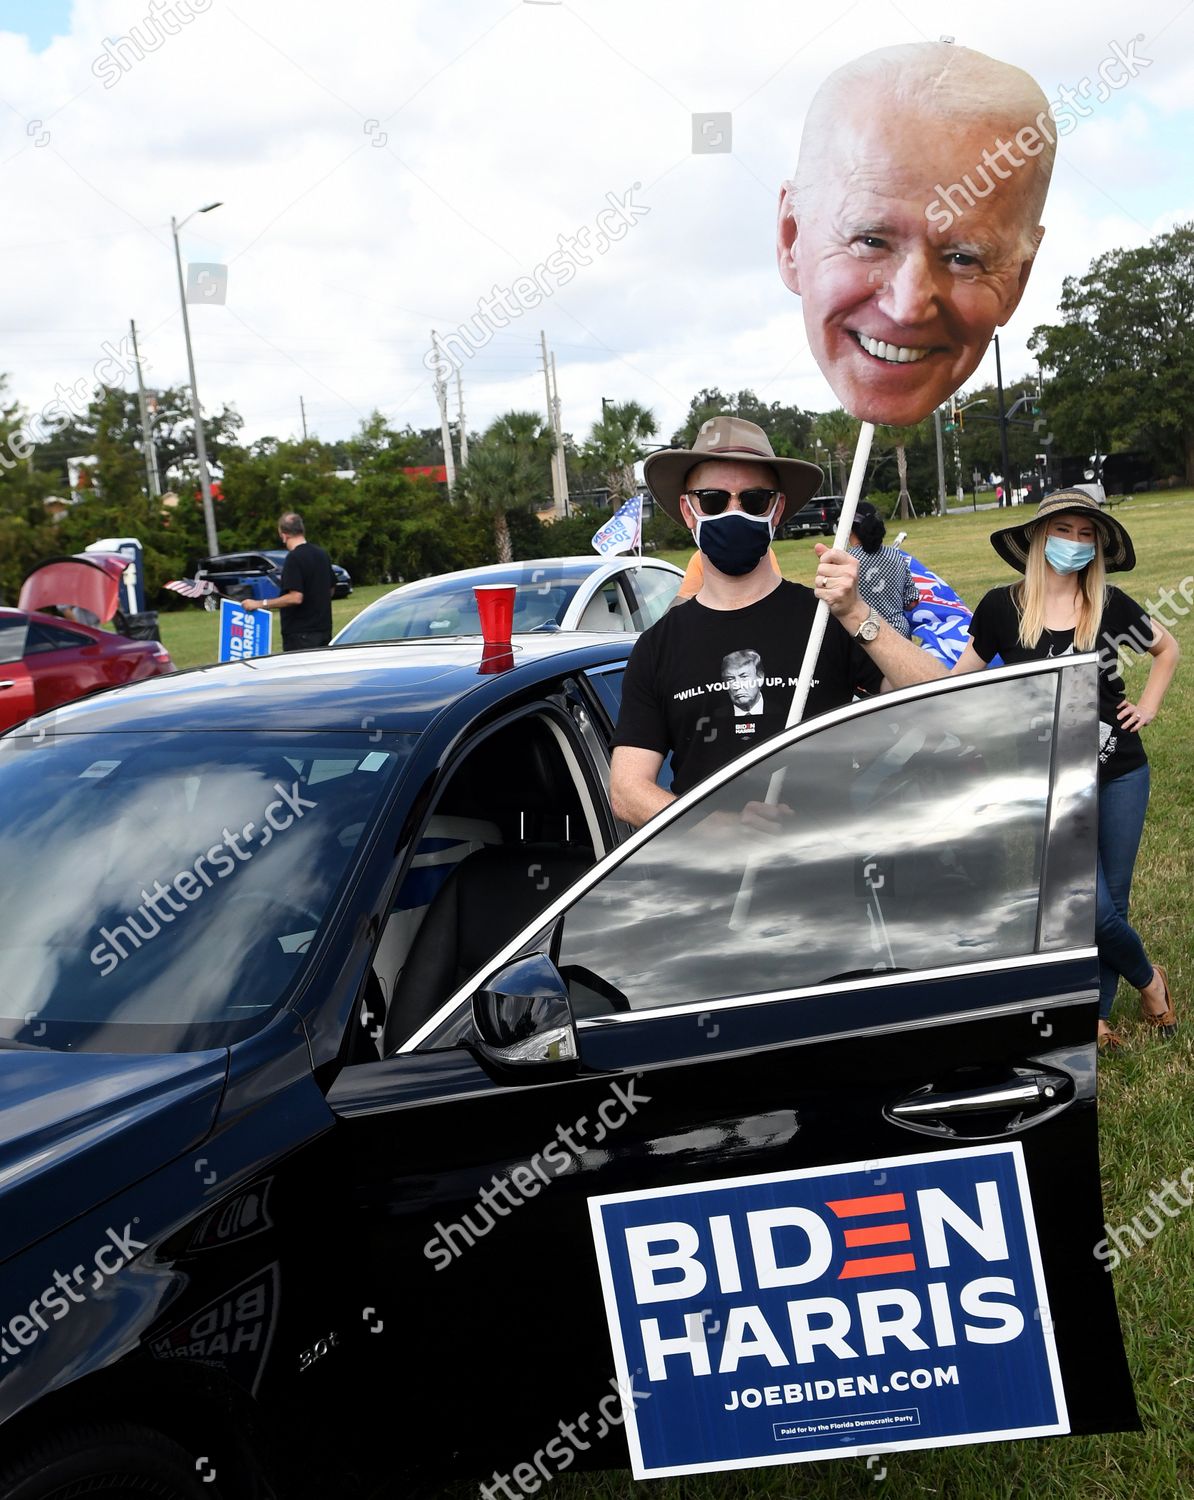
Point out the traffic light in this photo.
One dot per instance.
(961, 420)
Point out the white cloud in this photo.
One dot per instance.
(382, 167)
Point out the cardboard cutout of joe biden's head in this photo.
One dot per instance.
(909, 228)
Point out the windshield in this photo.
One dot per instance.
(162, 892)
(449, 606)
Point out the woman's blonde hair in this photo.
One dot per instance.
(1030, 595)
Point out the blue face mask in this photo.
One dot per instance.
(1068, 557)
(734, 542)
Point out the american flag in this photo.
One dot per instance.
(192, 588)
(940, 620)
(623, 532)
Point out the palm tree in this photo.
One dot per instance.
(899, 438)
(508, 469)
(615, 444)
(838, 430)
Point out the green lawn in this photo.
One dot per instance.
(1146, 1116)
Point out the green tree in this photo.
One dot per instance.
(26, 533)
(788, 428)
(118, 413)
(837, 430)
(508, 471)
(899, 440)
(615, 445)
(1122, 358)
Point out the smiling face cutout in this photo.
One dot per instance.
(903, 279)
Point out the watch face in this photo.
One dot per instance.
(869, 629)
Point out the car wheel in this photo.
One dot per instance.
(108, 1461)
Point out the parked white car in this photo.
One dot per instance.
(554, 593)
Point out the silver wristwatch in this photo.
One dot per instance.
(869, 628)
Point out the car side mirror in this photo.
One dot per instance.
(523, 1017)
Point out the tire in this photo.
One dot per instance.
(107, 1461)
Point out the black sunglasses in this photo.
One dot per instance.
(753, 502)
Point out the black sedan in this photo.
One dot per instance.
(371, 1100)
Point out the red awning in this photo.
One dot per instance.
(88, 581)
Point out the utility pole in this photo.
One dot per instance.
(1005, 462)
(559, 496)
(559, 457)
(441, 397)
(460, 420)
(940, 462)
(209, 510)
(303, 414)
(148, 446)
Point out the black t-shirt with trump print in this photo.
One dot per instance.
(707, 684)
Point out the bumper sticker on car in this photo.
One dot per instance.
(861, 1307)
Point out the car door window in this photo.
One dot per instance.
(655, 588)
(12, 639)
(909, 837)
(52, 638)
(607, 684)
(606, 610)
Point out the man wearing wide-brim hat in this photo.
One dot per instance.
(742, 637)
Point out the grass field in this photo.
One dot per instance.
(1146, 1110)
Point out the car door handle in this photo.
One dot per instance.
(1003, 1096)
(1025, 1096)
(7, 683)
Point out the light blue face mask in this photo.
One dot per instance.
(1068, 557)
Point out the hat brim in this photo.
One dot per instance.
(1012, 542)
(666, 471)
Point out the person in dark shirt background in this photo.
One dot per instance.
(305, 602)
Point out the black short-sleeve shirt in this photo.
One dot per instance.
(308, 571)
(996, 632)
(707, 684)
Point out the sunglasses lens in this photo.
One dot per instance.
(756, 502)
(712, 502)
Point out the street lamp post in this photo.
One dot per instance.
(209, 513)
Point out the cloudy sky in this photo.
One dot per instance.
(384, 164)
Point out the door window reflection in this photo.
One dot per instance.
(908, 838)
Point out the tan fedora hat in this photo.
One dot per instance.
(1012, 542)
(727, 437)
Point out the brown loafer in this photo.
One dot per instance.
(1109, 1039)
(1164, 1022)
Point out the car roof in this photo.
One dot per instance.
(590, 562)
(398, 685)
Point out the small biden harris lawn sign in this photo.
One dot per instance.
(243, 633)
(815, 1314)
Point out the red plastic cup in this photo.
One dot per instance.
(495, 604)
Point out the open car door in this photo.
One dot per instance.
(783, 1144)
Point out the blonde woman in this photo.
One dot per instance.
(1064, 604)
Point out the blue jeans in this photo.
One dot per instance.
(1122, 805)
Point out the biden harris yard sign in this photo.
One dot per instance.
(816, 1314)
(243, 632)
